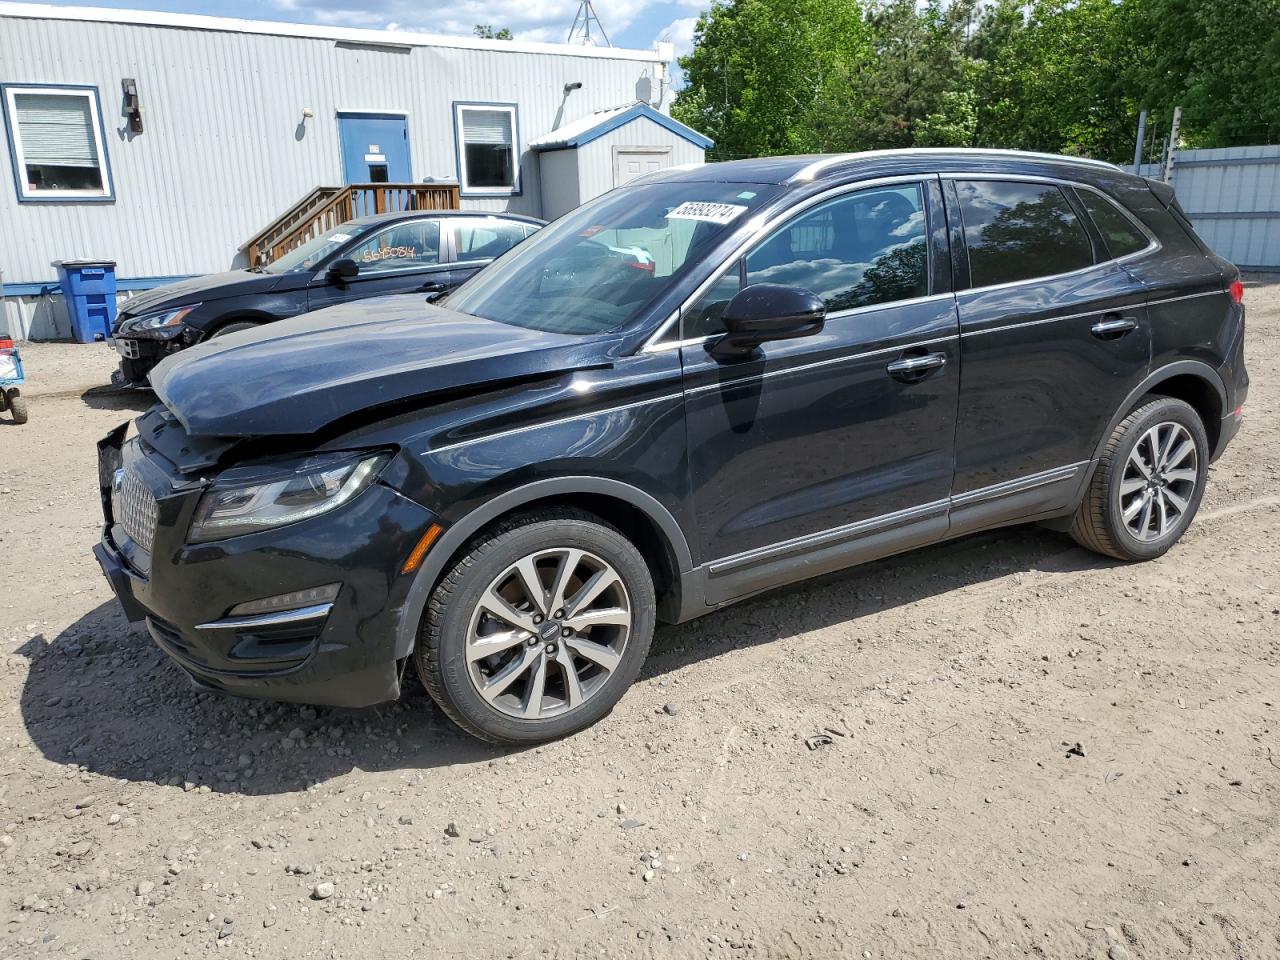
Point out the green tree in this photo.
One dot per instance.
(485, 31)
(767, 76)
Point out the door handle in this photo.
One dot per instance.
(432, 286)
(913, 369)
(1112, 326)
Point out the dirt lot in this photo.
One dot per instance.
(947, 817)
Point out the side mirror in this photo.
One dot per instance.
(340, 271)
(768, 311)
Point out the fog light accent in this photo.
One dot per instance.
(287, 601)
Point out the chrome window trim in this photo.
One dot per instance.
(1153, 246)
(758, 232)
(838, 315)
(811, 172)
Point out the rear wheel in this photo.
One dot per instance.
(538, 629)
(17, 406)
(1148, 483)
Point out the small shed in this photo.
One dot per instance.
(606, 149)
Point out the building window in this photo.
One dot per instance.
(56, 143)
(488, 153)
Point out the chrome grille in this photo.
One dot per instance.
(135, 510)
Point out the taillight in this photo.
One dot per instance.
(1237, 292)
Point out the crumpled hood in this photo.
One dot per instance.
(211, 286)
(298, 375)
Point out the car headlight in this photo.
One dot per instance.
(241, 504)
(159, 326)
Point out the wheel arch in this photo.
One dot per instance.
(238, 316)
(1191, 381)
(648, 523)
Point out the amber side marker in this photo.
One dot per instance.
(414, 560)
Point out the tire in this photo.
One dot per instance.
(1114, 518)
(18, 407)
(235, 326)
(535, 657)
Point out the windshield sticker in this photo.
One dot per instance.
(339, 237)
(747, 195)
(710, 212)
(591, 231)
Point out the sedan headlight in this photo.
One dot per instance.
(245, 504)
(158, 326)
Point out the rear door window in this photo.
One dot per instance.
(484, 239)
(1120, 233)
(1020, 231)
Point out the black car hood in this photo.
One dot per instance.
(211, 286)
(299, 375)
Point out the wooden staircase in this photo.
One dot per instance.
(325, 207)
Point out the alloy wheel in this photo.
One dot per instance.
(547, 633)
(1159, 481)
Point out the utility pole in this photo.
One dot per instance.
(1137, 149)
(1173, 145)
(580, 32)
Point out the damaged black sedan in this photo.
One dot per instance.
(697, 387)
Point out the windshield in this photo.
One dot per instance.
(598, 267)
(305, 257)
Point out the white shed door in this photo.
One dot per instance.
(632, 162)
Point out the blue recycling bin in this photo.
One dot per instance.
(89, 287)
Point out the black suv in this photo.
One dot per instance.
(694, 388)
(411, 251)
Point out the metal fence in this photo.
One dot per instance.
(1232, 195)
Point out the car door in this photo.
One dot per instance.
(403, 257)
(1054, 336)
(836, 447)
(476, 242)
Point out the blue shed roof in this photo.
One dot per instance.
(595, 125)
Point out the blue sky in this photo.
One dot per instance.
(629, 23)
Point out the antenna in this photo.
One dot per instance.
(581, 33)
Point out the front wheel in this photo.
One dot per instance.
(1148, 483)
(539, 627)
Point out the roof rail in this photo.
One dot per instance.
(818, 167)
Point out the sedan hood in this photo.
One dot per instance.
(211, 286)
(299, 375)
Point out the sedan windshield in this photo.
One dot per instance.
(305, 257)
(598, 267)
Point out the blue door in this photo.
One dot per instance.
(375, 148)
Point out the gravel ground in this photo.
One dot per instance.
(951, 814)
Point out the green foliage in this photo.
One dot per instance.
(794, 76)
(485, 31)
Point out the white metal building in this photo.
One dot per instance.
(166, 142)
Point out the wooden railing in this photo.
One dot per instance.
(325, 207)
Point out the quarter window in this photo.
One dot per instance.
(1119, 233)
(402, 247)
(1020, 231)
(487, 149)
(863, 249)
(58, 147)
(484, 239)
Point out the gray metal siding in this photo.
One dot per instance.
(1232, 195)
(558, 170)
(595, 164)
(225, 148)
